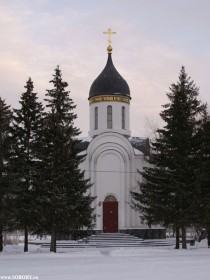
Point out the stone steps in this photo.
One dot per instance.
(111, 240)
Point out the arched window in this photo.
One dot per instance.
(109, 116)
(123, 117)
(96, 117)
(110, 198)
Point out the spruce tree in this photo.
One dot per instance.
(206, 174)
(5, 120)
(65, 191)
(26, 130)
(167, 192)
(203, 197)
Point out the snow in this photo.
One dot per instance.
(137, 140)
(158, 263)
(137, 152)
(85, 139)
(83, 153)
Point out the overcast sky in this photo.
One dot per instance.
(154, 39)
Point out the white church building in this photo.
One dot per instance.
(113, 156)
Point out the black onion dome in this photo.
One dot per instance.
(109, 82)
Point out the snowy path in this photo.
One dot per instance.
(108, 264)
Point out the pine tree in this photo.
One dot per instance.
(167, 193)
(5, 120)
(66, 201)
(26, 130)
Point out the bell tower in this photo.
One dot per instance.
(109, 100)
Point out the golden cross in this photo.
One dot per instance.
(109, 32)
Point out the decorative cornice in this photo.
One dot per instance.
(109, 98)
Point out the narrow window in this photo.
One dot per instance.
(123, 117)
(109, 116)
(96, 117)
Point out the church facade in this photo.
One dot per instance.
(113, 156)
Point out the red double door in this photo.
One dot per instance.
(110, 216)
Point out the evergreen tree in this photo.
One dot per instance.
(5, 120)
(64, 191)
(203, 197)
(167, 193)
(26, 130)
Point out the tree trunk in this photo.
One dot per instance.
(184, 239)
(1, 238)
(26, 240)
(177, 238)
(53, 241)
(208, 238)
(208, 235)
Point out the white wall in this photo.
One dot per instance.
(111, 165)
(116, 116)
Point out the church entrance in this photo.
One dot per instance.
(110, 214)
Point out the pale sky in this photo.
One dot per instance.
(154, 39)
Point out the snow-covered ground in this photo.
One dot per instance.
(107, 264)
